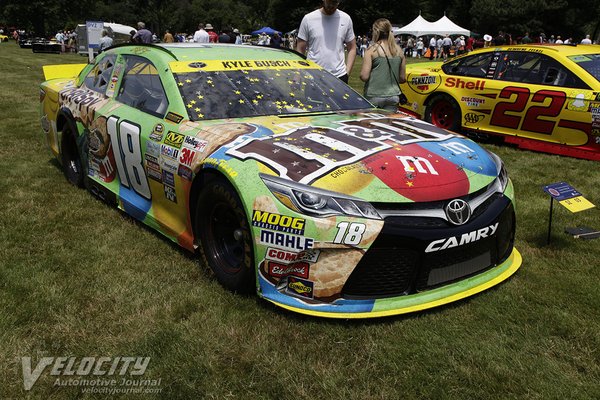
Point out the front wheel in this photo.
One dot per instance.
(224, 235)
(442, 111)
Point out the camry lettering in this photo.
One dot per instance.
(463, 84)
(465, 238)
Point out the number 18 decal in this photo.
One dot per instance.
(350, 233)
(125, 138)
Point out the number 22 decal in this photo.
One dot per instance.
(125, 137)
(531, 121)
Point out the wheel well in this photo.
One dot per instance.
(202, 177)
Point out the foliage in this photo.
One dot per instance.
(567, 18)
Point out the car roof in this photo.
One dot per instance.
(215, 51)
(563, 49)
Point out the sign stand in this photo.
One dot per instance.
(568, 197)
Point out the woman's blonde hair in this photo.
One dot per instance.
(382, 30)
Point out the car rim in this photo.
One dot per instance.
(443, 114)
(226, 240)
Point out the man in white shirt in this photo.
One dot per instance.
(587, 40)
(201, 36)
(325, 32)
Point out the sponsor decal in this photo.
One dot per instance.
(306, 154)
(169, 165)
(168, 178)
(152, 149)
(174, 139)
(299, 269)
(194, 143)
(170, 193)
(221, 164)
(464, 84)
(157, 132)
(288, 257)
(168, 151)
(472, 101)
(277, 222)
(285, 241)
(255, 64)
(154, 174)
(421, 164)
(187, 157)
(185, 172)
(174, 117)
(579, 102)
(300, 287)
(465, 238)
(472, 118)
(422, 82)
(151, 164)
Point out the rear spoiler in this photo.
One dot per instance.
(62, 71)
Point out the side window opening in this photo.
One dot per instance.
(99, 77)
(141, 87)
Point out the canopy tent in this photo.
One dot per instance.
(418, 27)
(267, 30)
(421, 27)
(445, 25)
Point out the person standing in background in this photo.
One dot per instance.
(142, 35)
(105, 41)
(201, 36)
(212, 35)
(168, 38)
(325, 32)
(384, 68)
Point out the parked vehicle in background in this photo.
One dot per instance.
(538, 97)
(118, 32)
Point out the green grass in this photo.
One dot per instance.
(79, 278)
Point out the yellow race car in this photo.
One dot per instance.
(538, 97)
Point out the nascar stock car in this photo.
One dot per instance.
(285, 180)
(538, 97)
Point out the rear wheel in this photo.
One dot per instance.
(71, 159)
(442, 111)
(224, 235)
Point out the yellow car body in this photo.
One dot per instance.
(539, 97)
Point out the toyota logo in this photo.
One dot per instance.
(458, 212)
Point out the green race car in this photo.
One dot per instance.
(284, 179)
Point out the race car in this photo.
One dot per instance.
(282, 178)
(539, 97)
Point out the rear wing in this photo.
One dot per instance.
(62, 71)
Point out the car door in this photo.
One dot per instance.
(534, 96)
(146, 147)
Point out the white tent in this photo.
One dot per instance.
(445, 25)
(421, 27)
(418, 27)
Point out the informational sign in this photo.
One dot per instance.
(94, 33)
(568, 197)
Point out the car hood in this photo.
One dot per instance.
(372, 156)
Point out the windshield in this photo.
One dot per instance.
(589, 62)
(215, 90)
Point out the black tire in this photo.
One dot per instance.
(443, 112)
(71, 158)
(224, 236)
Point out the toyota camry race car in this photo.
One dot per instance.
(284, 179)
(538, 97)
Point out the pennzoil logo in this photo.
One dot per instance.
(300, 287)
(278, 222)
(174, 139)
